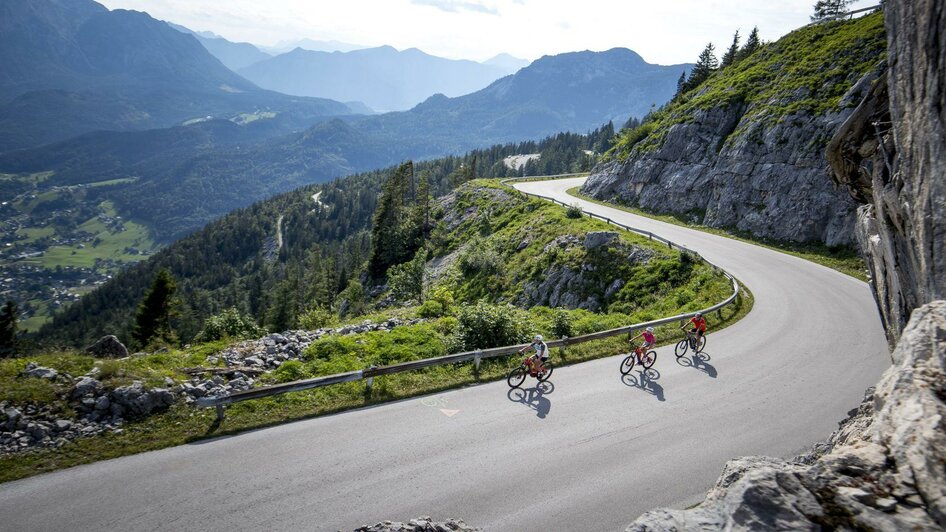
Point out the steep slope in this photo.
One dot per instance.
(233, 55)
(745, 150)
(73, 67)
(383, 78)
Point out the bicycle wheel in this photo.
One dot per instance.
(681, 348)
(628, 363)
(516, 377)
(701, 345)
(648, 360)
(544, 376)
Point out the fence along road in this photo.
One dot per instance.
(591, 455)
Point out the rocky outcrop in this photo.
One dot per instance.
(108, 347)
(882, 470)
(891, 153)
(751, 156)
(421, 524)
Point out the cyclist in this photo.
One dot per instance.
(541, 354)
(649, 341)
(699, 327)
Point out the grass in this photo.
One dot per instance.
(542, 220)
(844, 260)
(807, 71)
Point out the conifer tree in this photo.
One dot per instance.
(752, 44)
(153, 319)
(704, 67)
(829, 9)
(392, 240)
(730, 56)
(681, 83)
(8, 328)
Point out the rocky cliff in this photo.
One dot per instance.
(883, 469)
(745, 150)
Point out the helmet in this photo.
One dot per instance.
(650, 329)
(538, 338)
(698, 315)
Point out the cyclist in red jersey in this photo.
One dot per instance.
(699, 326)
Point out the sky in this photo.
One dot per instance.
(662, 31)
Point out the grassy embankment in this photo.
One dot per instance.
(668, 284)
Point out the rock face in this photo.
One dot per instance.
(891, 153)
(746, 150)
(882, 470)
(108, 347)
(421, 524)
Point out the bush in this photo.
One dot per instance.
(229, 324)
(480, 257)
(351, 300)
(562, 324)
(406, 280)
(574, 211)
(291, 370)
(482, 326)
(317, 318)
(431, 309)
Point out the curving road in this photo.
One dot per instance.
(590, 454)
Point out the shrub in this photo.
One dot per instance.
(291, 370)
(483, 325)
(317, 318)
(562, 324)
(229, 324)
(351, 300)
(431, 309)
(480, 257)
(574, 211)
(406, 280)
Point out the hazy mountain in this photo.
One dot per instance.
(313, 45)
(383, 78)
(72, 66)
(567, 92)
(233, 55)
(507, 63)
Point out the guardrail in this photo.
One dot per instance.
(368, 374)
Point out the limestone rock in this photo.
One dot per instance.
(108, 347)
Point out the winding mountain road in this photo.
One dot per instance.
(590, 454)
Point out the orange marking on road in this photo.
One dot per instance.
(449, 413)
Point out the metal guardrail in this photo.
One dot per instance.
(478, 355)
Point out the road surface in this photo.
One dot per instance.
(591, 453)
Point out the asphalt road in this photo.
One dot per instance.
(591, 453)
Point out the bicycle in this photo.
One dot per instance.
(518, 375)
(690, 341)
(639, 357)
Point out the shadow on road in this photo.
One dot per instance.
(534, 398)
(645, 380)
(699, 361)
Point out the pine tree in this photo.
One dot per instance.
(730, 56)
(8, 328)
(153, 319)
(752, 44)
(681, 83)
(704, 67)
(392, 240)
(830, 9)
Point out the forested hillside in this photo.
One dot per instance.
(236, 261)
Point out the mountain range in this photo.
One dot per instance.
(68, 67)
(383, 78)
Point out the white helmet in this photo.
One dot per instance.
(538, 338)
(650, 329)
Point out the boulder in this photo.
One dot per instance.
(138, 401)
(39, 372)
(84, 386)
(108, 347)
(596, 239)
